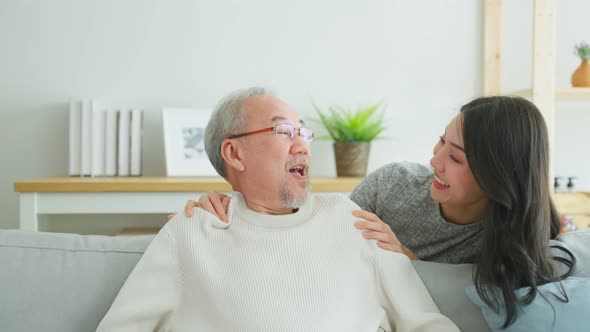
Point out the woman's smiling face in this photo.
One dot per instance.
(454, 184)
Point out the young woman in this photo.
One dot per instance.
(485, 199)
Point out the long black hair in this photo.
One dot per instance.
(507, 148)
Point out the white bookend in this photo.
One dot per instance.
(111, 133)
(98, 140)
(123, 146)
(86, 138)
(136, 136)
(75, 121)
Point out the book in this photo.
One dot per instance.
(123, 143)
(86, 138)
(74, 138)
(135, 144)
(97, 144)
(111, 134)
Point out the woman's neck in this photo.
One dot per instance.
(464, 214)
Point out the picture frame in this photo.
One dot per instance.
(184, 138)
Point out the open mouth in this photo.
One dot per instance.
(439, 183)
(299, 171)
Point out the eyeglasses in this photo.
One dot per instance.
(282, 129)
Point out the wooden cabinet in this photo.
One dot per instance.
(575, 205)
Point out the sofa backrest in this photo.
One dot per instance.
(579, 244)
(446, 284)
(62, 282)
(67, 282)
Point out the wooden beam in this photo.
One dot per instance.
(492, 48)
(544, 67)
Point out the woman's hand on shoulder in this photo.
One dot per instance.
(374, 228)
(214, 203)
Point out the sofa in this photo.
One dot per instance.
(67, 282)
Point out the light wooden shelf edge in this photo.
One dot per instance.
(162, 184)
(560, 93)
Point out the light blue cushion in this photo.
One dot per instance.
(578, 243)
(545, 313)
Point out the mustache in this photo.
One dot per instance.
(299, 160)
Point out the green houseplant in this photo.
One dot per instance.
(352, 130)
(581, 77)
(582, 50)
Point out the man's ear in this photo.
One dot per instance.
(232, 154)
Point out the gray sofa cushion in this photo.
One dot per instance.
(62, 282)
(446, 284)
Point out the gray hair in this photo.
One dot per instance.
(228, 117)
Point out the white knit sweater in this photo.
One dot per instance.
(308, 271)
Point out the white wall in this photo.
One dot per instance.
(423, 57)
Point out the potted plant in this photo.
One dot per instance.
(581, 77)
(352, 131)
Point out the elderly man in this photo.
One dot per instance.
(272, 267)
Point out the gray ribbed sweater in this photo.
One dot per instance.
(308, 271)
(399, 194)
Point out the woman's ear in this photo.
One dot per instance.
(232, 154)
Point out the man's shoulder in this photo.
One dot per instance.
(333, 201)
(335, 209)
(200, 220)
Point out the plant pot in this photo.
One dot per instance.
(581, 77)
(351, 158)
